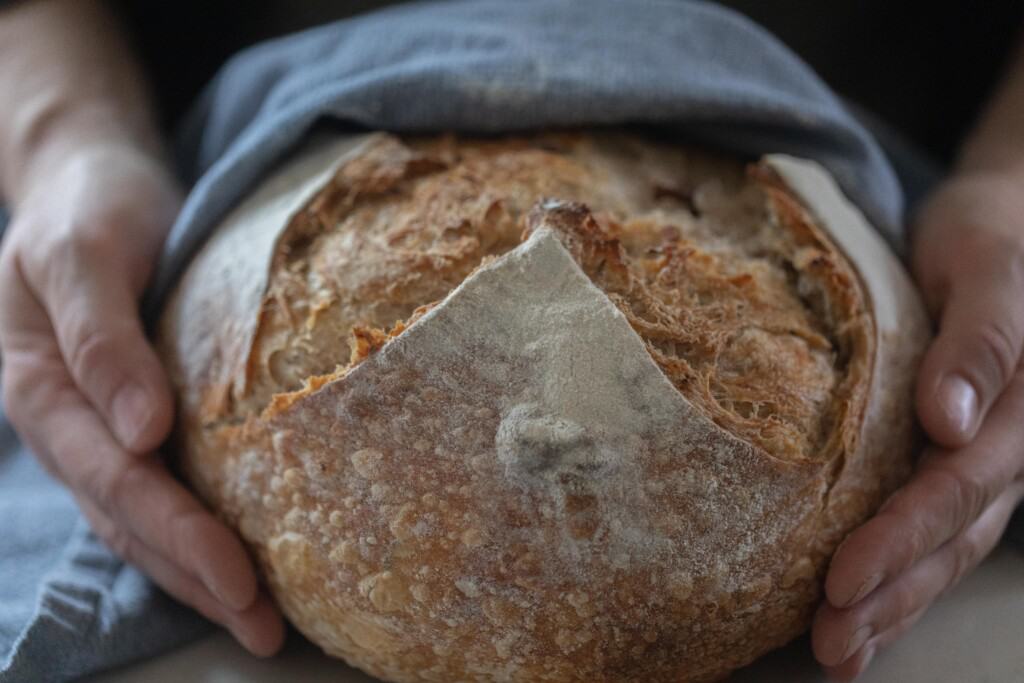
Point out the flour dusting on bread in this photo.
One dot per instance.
(559, 407)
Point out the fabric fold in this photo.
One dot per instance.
(690, 69)
(486, 66)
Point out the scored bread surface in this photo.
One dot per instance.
(428, 503)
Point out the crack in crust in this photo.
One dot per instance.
(430, 518)
(755, 327)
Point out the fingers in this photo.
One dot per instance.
(859, 661)
(975, 354)
(144, 515)
(85, 390)
(92, 306)
(258, 627)
(844, 640)
(168, 519)
(944, 496)
(149, 515)
(142, 498)
(83, 256)
(852, 667)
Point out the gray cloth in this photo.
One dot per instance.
(69, 607)
(492, 66)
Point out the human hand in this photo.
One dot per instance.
(968, 259)
(85, 390)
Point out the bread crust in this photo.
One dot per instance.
(432, 518)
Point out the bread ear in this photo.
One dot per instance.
(535, 475)
(206, 331)
(902, 332)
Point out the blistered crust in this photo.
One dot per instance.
(489, 524)
(207, 329)
(734, 305)
(428, 505)
(869, 471)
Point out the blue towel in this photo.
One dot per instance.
(488, 65)
(67, 606)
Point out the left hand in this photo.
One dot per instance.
(968, 259)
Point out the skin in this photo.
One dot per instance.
(968, 259)
(81, 168)
(91, 199)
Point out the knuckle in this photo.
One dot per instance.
(93, 482)
(919, 543)
(63, 256)
(107, 486)
(77, 243)
(118, 485)
(905, 601)
(115, 538)
(904, 604)
(964, 491)
(182, 529)
(998, 345)
(965, 553)
(89, 348)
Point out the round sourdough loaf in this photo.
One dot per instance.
(561, 407)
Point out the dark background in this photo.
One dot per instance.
(924, 67)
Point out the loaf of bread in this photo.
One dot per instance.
(575, 406)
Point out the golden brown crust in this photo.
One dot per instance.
(869, 471)
(392, 489)
(401, 226)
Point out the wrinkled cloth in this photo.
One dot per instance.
(488, 66)
(67, 606)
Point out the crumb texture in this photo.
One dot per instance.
(731, 306)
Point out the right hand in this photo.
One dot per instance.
(969, 263)
(85, 390)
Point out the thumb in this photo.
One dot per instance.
(976, 353)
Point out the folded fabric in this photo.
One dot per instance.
(67, 606)
(488, 65)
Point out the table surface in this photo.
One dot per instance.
(975, 634)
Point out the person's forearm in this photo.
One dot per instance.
(997, 142)
(67, 80)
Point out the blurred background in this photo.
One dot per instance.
(922, 66)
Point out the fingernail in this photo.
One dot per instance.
(856, 642)
(131, 413)
(960, 401)
(869, 584)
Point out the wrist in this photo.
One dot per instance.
(975, 215)
(978, 158)
(58, 135)
(980, 192)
